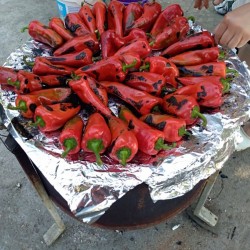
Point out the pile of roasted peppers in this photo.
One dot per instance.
(162, 74)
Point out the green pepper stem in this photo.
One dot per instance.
(123, 154)
(195, 114)
(96, 146)
(145, 66)
(160, 145)
(98, 36)
(191, 18)
(232, 71)
(221, 55)
(149, 35)
(226, 84)
(30, 64)
(21, 106)
(182, 131)
(128, 66)
(39, 122)
(15, 83)
(69, 145)
(151, 43)
(24, 28)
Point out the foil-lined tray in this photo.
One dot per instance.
(90, 189)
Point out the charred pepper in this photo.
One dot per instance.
(88, 18)
(99, 10)
(7, 74)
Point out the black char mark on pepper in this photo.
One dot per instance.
(156, 84)
(80, 56)
(173, 101)
(201, 94)
(137, 105)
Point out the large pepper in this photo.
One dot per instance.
(57, 25)
(115, 16)
(7, 75)
(150, 13)
(130, 14)
(71, 136)
(75, 24)
(43, 66)
(54, 80)
(42, 33)
(76, 59)
(124, 143)
(199, 40)
(110, 69)
(146, 81)
(174, 128)
(84, 91)
(150, 140)
(110, 43)
(88, 18)
(27, 104)
(206, 94)
(184, 107)
(96, 137)
(165, 18)
(134, 34)
(78, 44)
(52, 117)
(196, 57)
(99, 10)
(142, 101)
(140, 46)
(129, 58)
(176, 31)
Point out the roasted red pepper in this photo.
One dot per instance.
(78, 44)
(199, 40)
(42, 33)
(206, 69)
(43, 66)
(88, 18)
(124, 143)
(96, 137)
(76, 59)
(99, 10)
(130, 14)
(207, 94)
(27, 104)
(54, 80)
(196, 57)
(129, 58)
(140, 100)
(110, 43)
(150, 13)
(150, 140)
(7, 75)
(57, 25)
(71, 136)
(165, 18)
(184, 107)
(140, 46)
(115, 16)
(82, 88)
(110, 69)
(176, 31)
(146, 81)
(173, 128)
(75, 24)
(135, 34)
(49, 118)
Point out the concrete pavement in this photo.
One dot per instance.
(24, 220)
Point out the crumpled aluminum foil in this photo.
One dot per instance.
(90, 189)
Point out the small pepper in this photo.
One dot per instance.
(54, 80)
(52, 117)
(199, 40)
(27, 104)
(96, 137)
(78, 44)
(88, 18)
(115, 16)
(42, 33)
(184, 107)
(150, 140)
(75, 24)
(83, 90)
(7, 74)
(150, 13)
(195, 57)
(134, 34)
(99, 10)
(142, 101)
(165, 18)
(76, 59)
(71, 136)
(130, 14)
(174, 128)
(173, 33)
(57, 25)
(124, 143)
(151, 83)
(140, 46)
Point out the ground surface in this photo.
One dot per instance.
(24, 220)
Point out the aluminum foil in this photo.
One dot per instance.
(90, 189)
